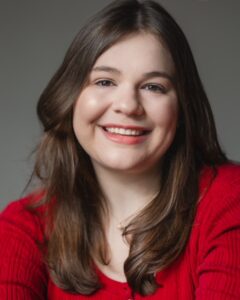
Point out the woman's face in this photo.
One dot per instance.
(125, 117)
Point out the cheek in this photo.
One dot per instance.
(165, 113)
(89, 107)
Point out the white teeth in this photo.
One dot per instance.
(123, 131)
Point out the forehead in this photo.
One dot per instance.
(140, 51)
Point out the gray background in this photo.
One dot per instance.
(34, 36)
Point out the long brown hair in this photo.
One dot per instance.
(160, 232)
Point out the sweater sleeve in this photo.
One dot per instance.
(23, 275)
(219, 243)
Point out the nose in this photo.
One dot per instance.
(127, 102)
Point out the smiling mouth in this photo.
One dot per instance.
(125, 131)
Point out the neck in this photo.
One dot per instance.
(127, 194)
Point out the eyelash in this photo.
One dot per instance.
(155, 88)
(100, 82)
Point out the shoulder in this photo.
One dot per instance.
(224, 174)
(23, 273)
(222, 182)
(228, 174)
(219, 200)
(214, 243)
(18, 215)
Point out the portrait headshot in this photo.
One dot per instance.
(120, 150)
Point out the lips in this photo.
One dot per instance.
(125, 134)
(125, 130)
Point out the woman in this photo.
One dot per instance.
(137, 199)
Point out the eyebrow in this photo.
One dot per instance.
(145, 75)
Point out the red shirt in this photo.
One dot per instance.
(208, 269)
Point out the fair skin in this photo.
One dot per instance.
(125, 118)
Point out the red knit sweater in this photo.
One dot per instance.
(209, 268)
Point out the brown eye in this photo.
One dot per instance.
(104, 83)
(156, 88)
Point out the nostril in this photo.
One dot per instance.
(129, 108)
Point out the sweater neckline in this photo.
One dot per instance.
(114, 286)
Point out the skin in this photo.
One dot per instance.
(120, 94)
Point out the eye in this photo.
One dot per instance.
(156, 88)
(104, 82)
